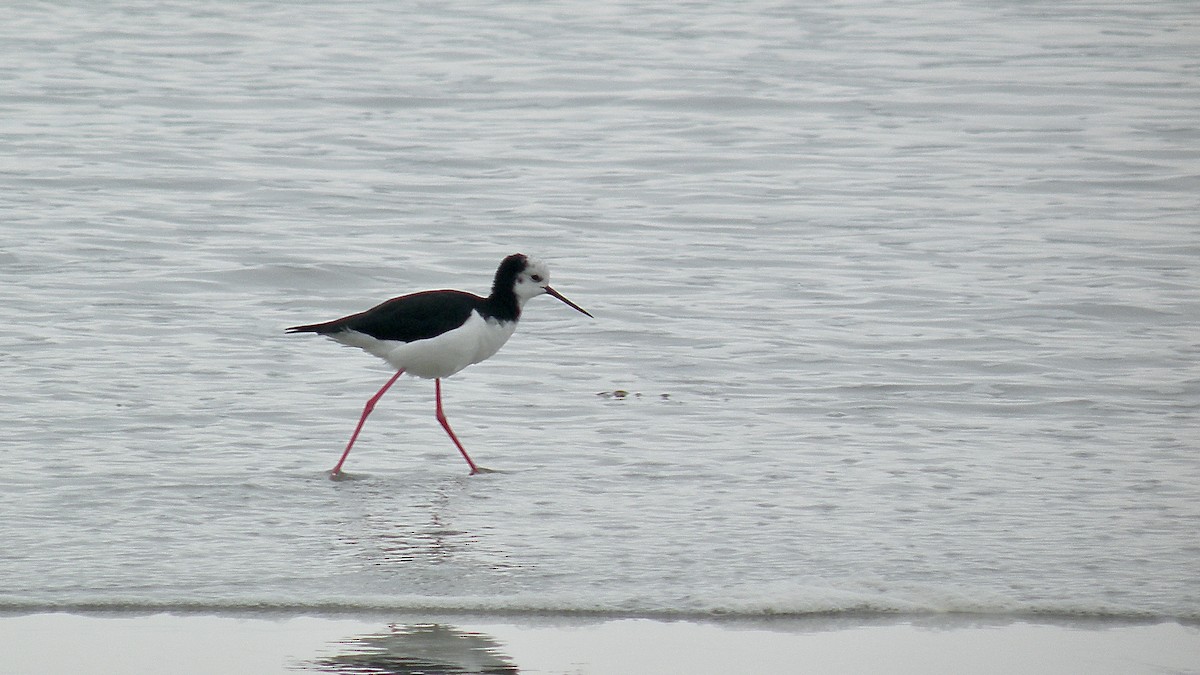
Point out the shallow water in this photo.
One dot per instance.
(903, 300)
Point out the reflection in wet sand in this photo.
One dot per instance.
(427, 649)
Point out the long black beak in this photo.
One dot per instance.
(570, 304)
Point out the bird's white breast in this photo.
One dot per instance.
(440, 356)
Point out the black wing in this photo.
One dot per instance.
(410, 317)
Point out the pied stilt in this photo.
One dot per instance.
(435, 334)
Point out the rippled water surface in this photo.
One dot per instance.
(896, 306)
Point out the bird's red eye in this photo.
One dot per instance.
(536, 277)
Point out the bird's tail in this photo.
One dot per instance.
(319, 328)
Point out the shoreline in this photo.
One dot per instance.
(264, 642)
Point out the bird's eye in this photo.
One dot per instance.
(536, 277)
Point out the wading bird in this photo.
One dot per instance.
(435, 334)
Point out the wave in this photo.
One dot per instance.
(543, 607)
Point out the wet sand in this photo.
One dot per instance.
(259, 644)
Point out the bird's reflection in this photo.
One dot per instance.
(425, 649)
(420, 536)
(392, 535)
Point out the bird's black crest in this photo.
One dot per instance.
(506, 274)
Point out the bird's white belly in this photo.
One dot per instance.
(440, 356)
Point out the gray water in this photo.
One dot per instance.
(896, 306)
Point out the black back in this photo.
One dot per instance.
(410, 317)
(427, 314)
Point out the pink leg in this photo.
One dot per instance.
(441, 417)
(366, 411)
